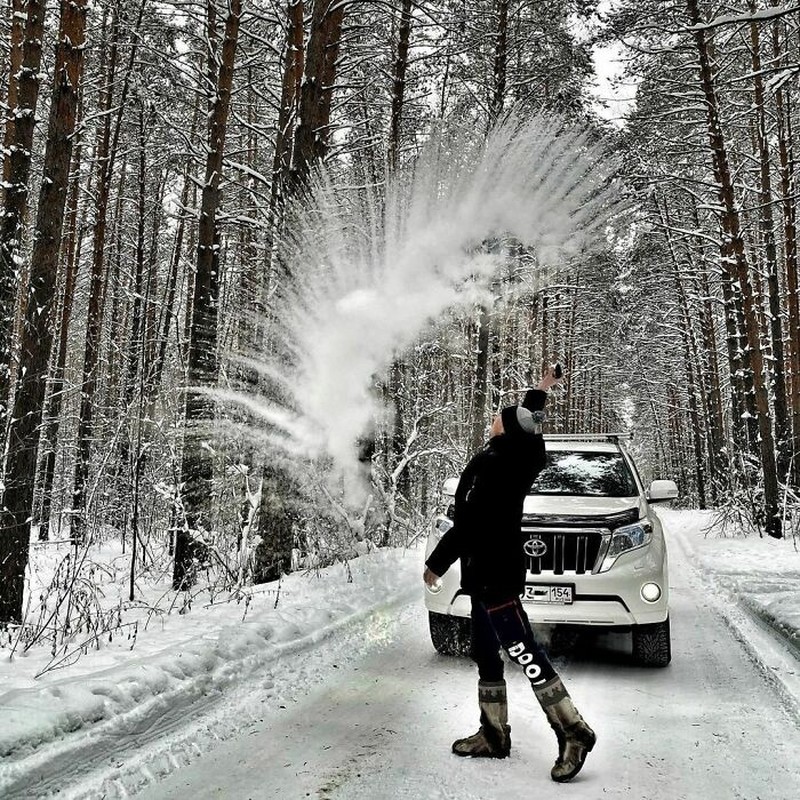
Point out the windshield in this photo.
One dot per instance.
(585, 474)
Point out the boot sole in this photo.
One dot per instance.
(501, 754)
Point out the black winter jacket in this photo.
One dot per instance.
(486, 532)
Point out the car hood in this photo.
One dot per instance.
(565, 506)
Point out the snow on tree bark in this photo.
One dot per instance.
(106, 155)
(293, 60)
(197, 465)
(322, 51)
(57, 384)
(775, 366)
(23, 98)
(399, 83)
(786, 171)
(732, 254)
(37, 331)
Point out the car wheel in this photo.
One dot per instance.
(450, 635)
(651, 644)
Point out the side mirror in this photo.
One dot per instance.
(449, 487)
(660, 491)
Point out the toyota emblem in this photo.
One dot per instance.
(535, 547)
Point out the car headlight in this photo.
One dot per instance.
(626, 538)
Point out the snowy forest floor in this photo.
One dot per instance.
(121, 720)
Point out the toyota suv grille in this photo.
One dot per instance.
(561, 552)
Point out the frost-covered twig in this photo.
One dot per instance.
(70, 657)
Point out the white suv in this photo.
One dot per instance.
(595, 551)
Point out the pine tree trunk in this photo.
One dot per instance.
(787, 181)
(303, 131)
(569, 364)
(16, 169)
(715, 419)
(691, 362)
(481, 388)
(481, 382)
(117, 284)
(167, 311)
(399, 84)
(16, 42)
(37, 331)
(498, 98)
(151, 321)
(97, 283)
(732, 252)
(293, 59)
(196, 465)
(396, 443)
(52, 417)
(138, 322)
(775, 366)
(106, 157)
(312, 134)
(134, 347)
(397, 380)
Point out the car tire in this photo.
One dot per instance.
(651, 644)
(451, 636)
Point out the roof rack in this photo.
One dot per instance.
(588, 437)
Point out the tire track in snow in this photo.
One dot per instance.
(765, 648)
(116, 757)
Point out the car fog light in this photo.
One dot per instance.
(436, 586)
(651, 592)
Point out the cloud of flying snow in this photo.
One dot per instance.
(372, 273)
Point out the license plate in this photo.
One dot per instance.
(536, 593)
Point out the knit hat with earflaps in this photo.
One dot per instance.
(518, 420)
(527, 417)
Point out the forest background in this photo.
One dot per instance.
(153, 155)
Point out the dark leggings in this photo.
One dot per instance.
(506, 625)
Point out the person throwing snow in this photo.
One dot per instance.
(486, 537)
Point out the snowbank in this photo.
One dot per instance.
(195, 654)
(762, 574)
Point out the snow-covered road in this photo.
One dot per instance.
(380, 723)
(329, 699)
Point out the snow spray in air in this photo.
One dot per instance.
(371, 275)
